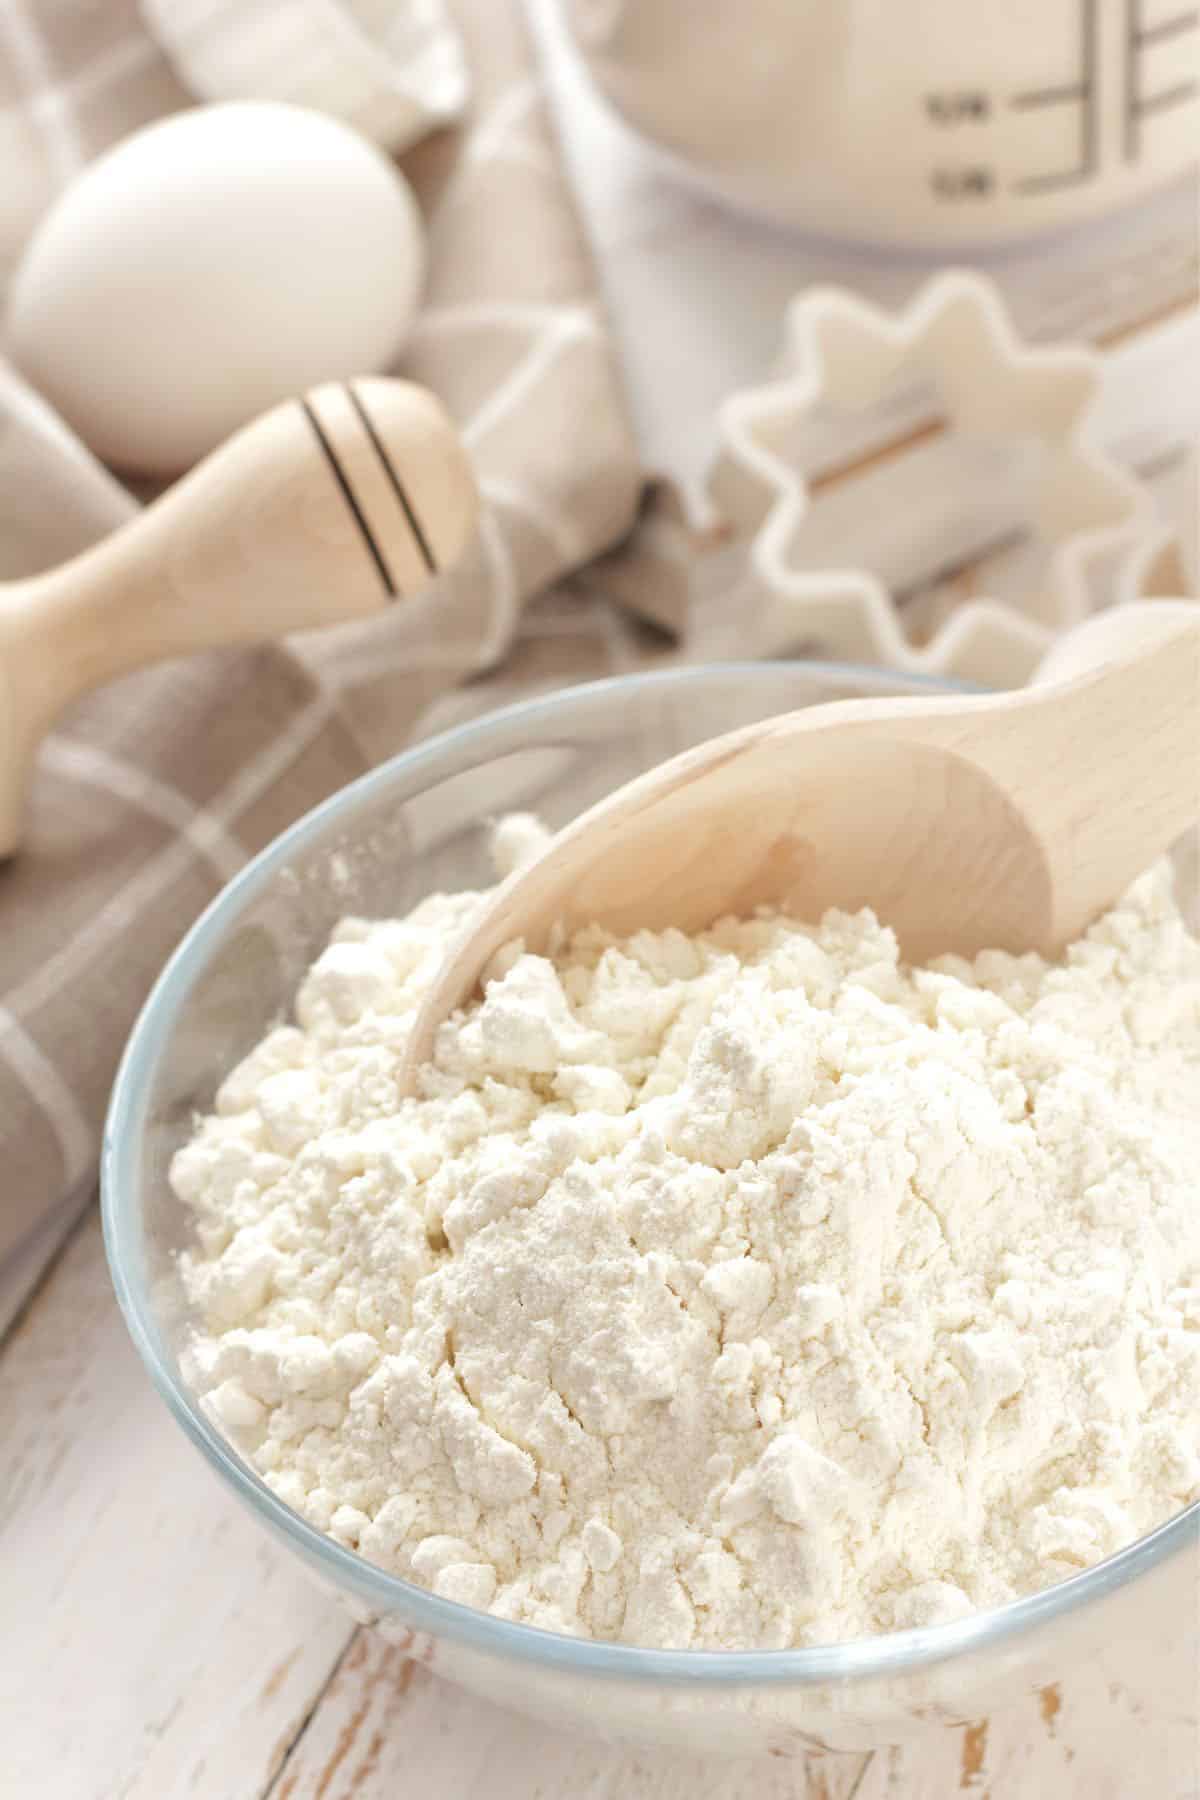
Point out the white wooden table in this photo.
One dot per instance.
(153, 1644)
(156, 1646)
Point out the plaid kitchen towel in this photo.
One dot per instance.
(156, 789)
(393, 71)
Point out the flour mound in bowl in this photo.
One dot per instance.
(744, 1290)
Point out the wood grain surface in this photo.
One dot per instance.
(157, 1646)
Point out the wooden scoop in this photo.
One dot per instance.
(1007, 820)
(325, 509)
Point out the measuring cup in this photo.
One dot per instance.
(927, 122)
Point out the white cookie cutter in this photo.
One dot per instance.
(844, 354)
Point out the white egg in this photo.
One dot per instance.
(208, 267)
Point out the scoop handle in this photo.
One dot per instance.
(326, 509)
(1102, 751)
(1118, 635)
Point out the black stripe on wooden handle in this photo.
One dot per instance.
(339, 475)
(397, 486)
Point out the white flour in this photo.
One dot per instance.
(743, 1290)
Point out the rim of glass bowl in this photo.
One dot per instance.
(857, 1660)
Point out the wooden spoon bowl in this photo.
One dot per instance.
(1005, 821)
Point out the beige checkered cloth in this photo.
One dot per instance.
(158, 788)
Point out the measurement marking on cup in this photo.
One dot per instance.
(955, 110)
(1174, 96)
(1081, 93)
(1139, 38)
(962, 115)
(1167, 28)
(1133, 32)
(1051, 96)
(968, 106)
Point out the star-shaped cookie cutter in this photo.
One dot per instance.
(844, 354)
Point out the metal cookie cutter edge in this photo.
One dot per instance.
(840, 349)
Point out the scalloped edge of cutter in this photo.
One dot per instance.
(957, 330)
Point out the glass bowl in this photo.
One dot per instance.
(418, 824)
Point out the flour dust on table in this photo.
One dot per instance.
(748, 1289)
